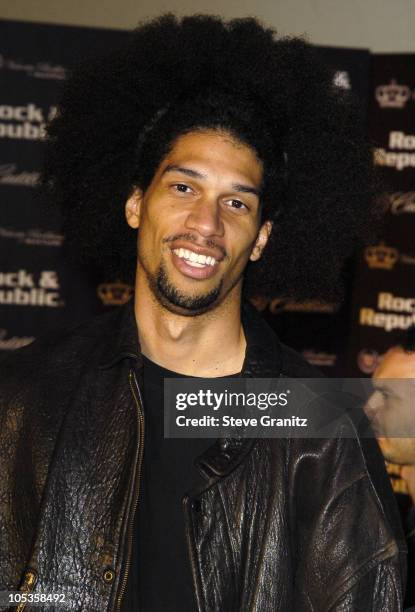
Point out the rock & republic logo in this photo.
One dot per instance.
(392, 312)
(24, 122)
(23, 288)
(400, 153)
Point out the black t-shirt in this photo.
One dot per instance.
(160, 578)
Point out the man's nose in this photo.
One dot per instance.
(374, 404)
(205, 218)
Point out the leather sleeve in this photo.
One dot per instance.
(349, 554)
(377, 590)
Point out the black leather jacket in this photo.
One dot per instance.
(278, 525)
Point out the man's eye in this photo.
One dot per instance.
(386, 394)
(181, 188)
(237, 204)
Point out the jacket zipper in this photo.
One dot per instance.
(29, 582)
(135, 390)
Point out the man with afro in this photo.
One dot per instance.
(210, 161)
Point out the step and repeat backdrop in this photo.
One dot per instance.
(384, 283)
(40, 289)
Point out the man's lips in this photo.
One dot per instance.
(217, 253)
(195, 262)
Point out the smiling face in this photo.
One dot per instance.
(199, 222)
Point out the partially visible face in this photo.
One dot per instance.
(199, 221)
(391, 408)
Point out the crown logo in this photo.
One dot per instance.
(114, 294)
(381, 256)
(392, 95)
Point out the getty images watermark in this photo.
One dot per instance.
(282, 407)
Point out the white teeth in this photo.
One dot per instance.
(199, 261)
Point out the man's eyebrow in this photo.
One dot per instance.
(381, 385)
(183, 170)
(199, 175)
(246, 189)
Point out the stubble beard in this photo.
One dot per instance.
(179, 302)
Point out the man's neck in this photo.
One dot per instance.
(207, 345)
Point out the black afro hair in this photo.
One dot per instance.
(119, 116)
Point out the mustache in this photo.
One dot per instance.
(192, 238)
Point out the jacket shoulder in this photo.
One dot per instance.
(269, 357)
(52, 352)
(295, 366)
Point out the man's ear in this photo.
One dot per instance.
(261, 241)
(133, 208)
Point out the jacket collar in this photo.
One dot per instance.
(121, 340)
(263, 359)
(262, 356)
